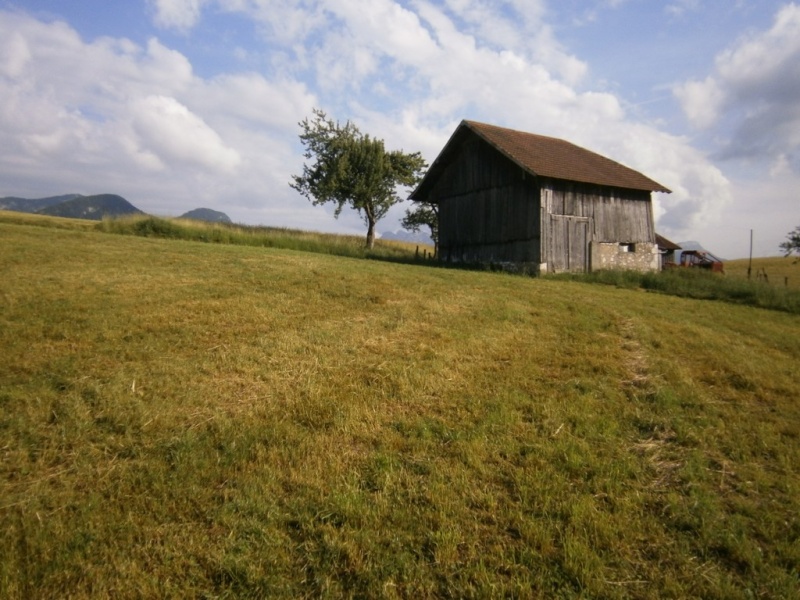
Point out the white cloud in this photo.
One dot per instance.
(145, 124)
(591, 10)
(702, 101)
(753, 92)
(161, 67)
(465, 78)
(681, 7)
(516, 26)
(252, 98)
(285, 22)
(14, 55)
(176, 14)
(171, 131)
(762, 58)
(113, 116)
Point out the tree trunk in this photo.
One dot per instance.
(371, 234)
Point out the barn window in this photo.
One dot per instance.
(627, 248)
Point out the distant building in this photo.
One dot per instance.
(667, 251)
(538, 203)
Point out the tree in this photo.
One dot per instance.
(353, 169)
(792, 243)
(424, 214)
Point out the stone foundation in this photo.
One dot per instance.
(641, 256)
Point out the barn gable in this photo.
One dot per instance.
(538, 202)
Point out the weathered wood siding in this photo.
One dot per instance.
(488, 208)
(568, 238)
(617, 215)
(576, 214)
(492, 211)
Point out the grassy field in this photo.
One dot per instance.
(19, 218)
(231, 233)
(260, 236)
(699, 284)
(184, 419)
(781, 271)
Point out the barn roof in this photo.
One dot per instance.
(666, 244)
(543, 156)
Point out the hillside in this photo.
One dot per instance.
(33, 204)
(91, 207)
(185, 419)
(778, 271)
(206, 214)
(74, 206)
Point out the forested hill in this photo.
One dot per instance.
(206, 214)
(92, 207)
(29, 205)
(95, 207)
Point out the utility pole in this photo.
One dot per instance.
(750, 264)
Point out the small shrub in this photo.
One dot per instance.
(155, 227)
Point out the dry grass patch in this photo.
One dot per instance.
(221, 421)
(778, 270)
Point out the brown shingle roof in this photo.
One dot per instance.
(544, 156)
(552, 157)
(666, 244)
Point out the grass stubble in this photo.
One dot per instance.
(181, 419)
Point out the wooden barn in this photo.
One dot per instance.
(538, 203)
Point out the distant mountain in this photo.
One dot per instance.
(206, 214)
(92, 207)
(407, 236)
(32, 205)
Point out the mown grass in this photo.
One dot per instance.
(232, 233)
(758, 290)
(182, 419)
(261, 236)
(19, 218)
(699, 284)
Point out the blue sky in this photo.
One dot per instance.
(177, 104)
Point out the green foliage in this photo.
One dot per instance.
(352, 169)
(152, 227)
(792, 243)
(699, 284)
(424, 214)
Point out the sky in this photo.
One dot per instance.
(180, 104)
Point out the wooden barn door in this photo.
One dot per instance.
(569, 243)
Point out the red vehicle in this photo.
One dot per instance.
(701, 259)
